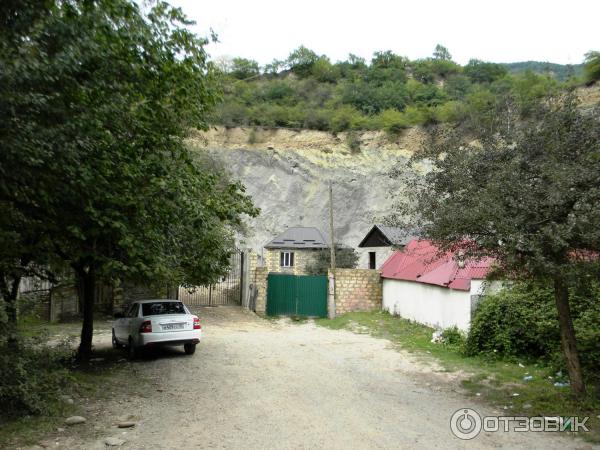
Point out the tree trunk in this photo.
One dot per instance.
(87, 282)
(567, 335)
(11, 311)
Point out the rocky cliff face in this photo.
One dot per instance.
(288, 172)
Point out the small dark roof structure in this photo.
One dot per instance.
(300, 237)
(384, 236)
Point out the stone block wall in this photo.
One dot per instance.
(36, 303)
(357, 290)
(302, 259)
(64, 303)
(260, 283)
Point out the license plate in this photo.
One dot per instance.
(173, 326)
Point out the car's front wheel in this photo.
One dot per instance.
(190, 349)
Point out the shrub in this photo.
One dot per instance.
(353, 141)
(453, 337)
(453, 111)
(275, 91)
(522, 321)
(391, 121)
(317, 119)
(232, 114)
(32, 378)
(417, 115)
(592, 66)
(324, 71)
(344, 118)
(345, 258)
(252, 138)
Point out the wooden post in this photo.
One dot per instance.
(331, 284)
(332, 239)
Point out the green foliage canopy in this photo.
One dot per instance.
(528, 196)
(309, 91)
(592, 66)
(98, 97)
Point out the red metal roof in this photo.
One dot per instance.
(421, 261)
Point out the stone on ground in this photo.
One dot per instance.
(74, 420)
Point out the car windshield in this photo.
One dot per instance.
(157, 308)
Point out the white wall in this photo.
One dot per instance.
(480, 287)
(428, 304)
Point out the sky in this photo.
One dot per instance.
(498, 31)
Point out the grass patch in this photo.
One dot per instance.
(32, 327)
(108, 375)
(493, 380)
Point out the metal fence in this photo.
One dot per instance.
(227, 291)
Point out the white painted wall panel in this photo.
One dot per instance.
(431, 305)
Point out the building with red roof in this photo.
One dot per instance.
(439, 289)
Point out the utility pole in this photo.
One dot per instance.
(331, 284)
(331, 227)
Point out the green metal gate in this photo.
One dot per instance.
(296, 295)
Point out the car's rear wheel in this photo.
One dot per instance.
(134, 352)
(190, 349)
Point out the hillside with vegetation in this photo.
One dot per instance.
(561, 72)
(388, 93)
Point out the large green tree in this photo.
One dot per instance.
(98, 97)
(528, 196)
(591, 68)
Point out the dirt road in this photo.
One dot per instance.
(256, 383)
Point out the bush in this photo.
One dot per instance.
(252, 138)
(232, 114)
(592, 66)
(454, 338)
(353, 141)
(452, 111)
(32, 378)
(417, 115)
(316, 119)
(391, 121)
(345, 258)
(522, 321)
(344, 118)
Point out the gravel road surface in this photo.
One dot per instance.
(264, 384)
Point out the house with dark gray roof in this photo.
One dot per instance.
(294, 250)
(381, 241)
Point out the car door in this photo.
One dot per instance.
(133, 321)
(122, 325)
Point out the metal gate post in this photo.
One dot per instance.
(241, 278)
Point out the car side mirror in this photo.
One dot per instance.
(119, 315)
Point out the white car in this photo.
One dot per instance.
(152, 323)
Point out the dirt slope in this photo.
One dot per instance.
(287, 173)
